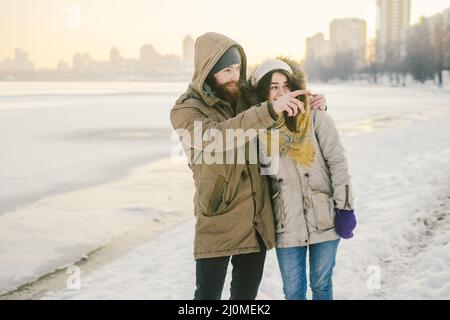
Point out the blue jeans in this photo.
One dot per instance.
(322, 259)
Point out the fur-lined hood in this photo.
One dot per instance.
(299, 76)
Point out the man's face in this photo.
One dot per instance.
(226, 83)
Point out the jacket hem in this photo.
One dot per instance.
(312, 240)
(225, 253)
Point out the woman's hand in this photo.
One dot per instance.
(290, 103)
(318, 101)
(345, 222)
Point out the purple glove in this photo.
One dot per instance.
(345, 223)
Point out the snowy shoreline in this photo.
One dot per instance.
(72, 224)
(115, 172)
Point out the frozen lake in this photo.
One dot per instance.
(59, 137)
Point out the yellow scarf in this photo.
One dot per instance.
(296, 145)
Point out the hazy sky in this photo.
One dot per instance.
(49, 31)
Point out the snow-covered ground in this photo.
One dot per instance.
(397, 142)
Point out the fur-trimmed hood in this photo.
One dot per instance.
(299, 76)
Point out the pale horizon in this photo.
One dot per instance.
(48, 33)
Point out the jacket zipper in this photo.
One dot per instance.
(306, 220)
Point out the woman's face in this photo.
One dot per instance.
(278, 86)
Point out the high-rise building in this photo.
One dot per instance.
(77, 61)
(349, 36)
(393, 18)
(21, 61)
(439, 20)
(188, 49)
(82, 62)
(62, 65)
(148, 55)
(317, 48)
(114, 56)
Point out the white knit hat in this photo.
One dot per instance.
(266, 67)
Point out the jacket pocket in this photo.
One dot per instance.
(278, 205)
(211, 196)
(323, 209)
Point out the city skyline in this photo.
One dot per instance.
(59, 39)
(149, 58)
(150, 66)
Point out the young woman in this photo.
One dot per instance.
(311, 192)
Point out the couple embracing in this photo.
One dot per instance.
(245, 204)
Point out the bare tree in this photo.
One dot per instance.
(344, 65)
(438, 43)
(419, 60)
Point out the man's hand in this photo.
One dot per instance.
(318, 101)
(289, 103)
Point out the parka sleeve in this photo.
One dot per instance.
(334, 155)
(188, 120)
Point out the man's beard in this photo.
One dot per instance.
(229, 91)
